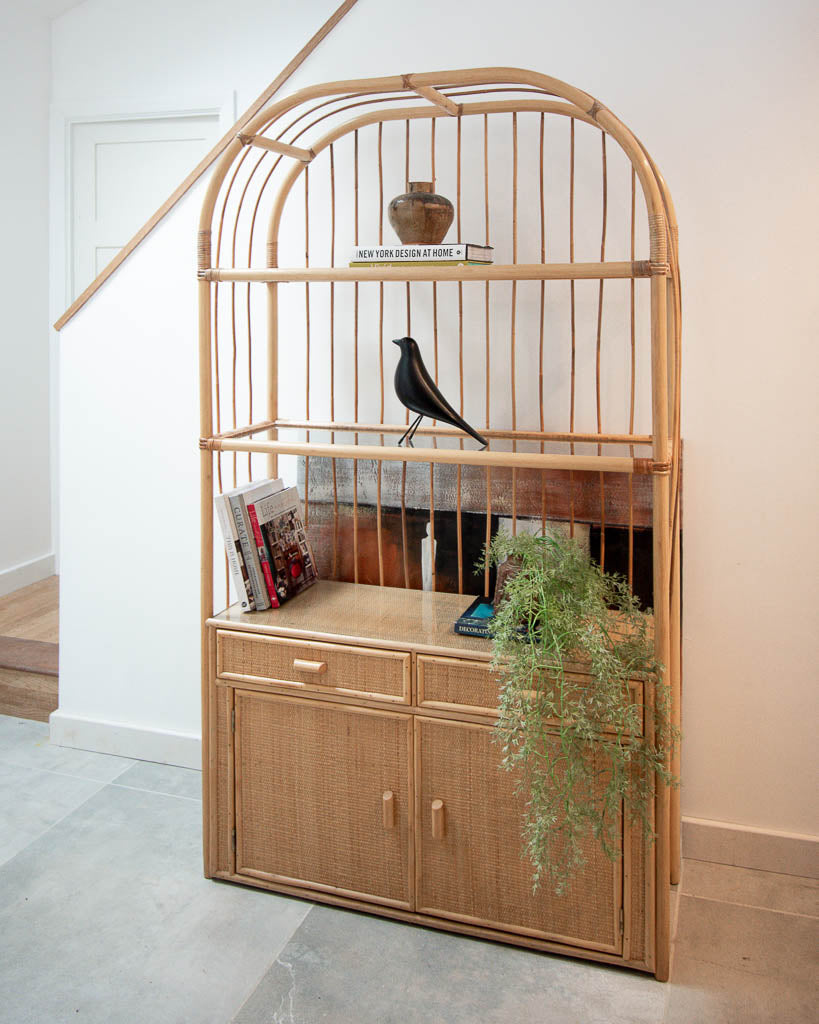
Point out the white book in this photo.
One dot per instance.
(442, 253)
(242, 590)
(247, 541)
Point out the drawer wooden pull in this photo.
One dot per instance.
(438, 824)
(388, 809)
(317, 667)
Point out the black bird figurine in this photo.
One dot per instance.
(418, 392)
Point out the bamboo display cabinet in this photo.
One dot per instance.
(347, 736)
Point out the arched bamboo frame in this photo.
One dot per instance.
(436, 94)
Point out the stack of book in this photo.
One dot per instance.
(442, 255)
(268, 552)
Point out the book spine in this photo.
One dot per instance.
(471, 630)
(254, 569)
(241, 587)
(410, 253)
(264, 558)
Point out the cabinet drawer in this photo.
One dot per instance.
(309, 665)
(455, 684)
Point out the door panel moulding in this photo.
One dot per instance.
(206, 162)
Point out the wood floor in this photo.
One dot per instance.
(29, 635)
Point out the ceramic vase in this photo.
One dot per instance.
(420, 217)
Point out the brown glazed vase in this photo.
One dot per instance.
(420, 217)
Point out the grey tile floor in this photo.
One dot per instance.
(105, 918)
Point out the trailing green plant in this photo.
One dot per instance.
(577, 743)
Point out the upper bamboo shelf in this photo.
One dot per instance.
(469, 272)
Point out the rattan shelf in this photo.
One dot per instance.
(493, 272)
(435, 456)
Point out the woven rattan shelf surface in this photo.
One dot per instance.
(361, 614)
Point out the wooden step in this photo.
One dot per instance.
(29, 655)
(28, 678)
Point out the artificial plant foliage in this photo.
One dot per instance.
(576, 742)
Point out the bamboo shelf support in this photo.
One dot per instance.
(452, 456)
(438, 98)
(492, 272)
(282, 148)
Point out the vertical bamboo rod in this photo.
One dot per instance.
(404, 542)
(488, 537)
(355, 360)
(272, 372)
(572, 319)
(378, 526)
(632, 377)
(662, 559)
(598, 350)
(513, 314)
(541, 325)
(307, 343)
(206, 551)
(333, 354)
(676, 705)
(432, 573)
(459, 515)
(233, 367)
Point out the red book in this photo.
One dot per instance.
(264, 558)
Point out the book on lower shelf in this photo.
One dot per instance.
(254, 553)
(242, 589)
(269, 554)
(477, 619)
(421, 255)
(280, 521)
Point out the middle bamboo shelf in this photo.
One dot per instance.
(453, 456)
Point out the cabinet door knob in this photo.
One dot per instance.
(317, 667)
(438, 823)
(388, 809)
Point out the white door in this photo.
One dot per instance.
(122, 171)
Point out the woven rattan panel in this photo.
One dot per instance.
(310, 783)
(475, 871)
(355, 670)
(455, 683)
(222, 700)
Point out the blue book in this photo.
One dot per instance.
(477, 619)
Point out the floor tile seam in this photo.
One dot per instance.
(746, 867)
(277, 953)
(155, 792)
(69, 775)
(751, 906)
(99, 787)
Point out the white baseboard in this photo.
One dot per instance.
(25, 574)
(175, 748)
(722, 842)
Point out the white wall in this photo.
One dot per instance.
(722, 96)
(26, 552)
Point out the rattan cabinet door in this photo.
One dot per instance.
(468, 848)
(323, 796)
